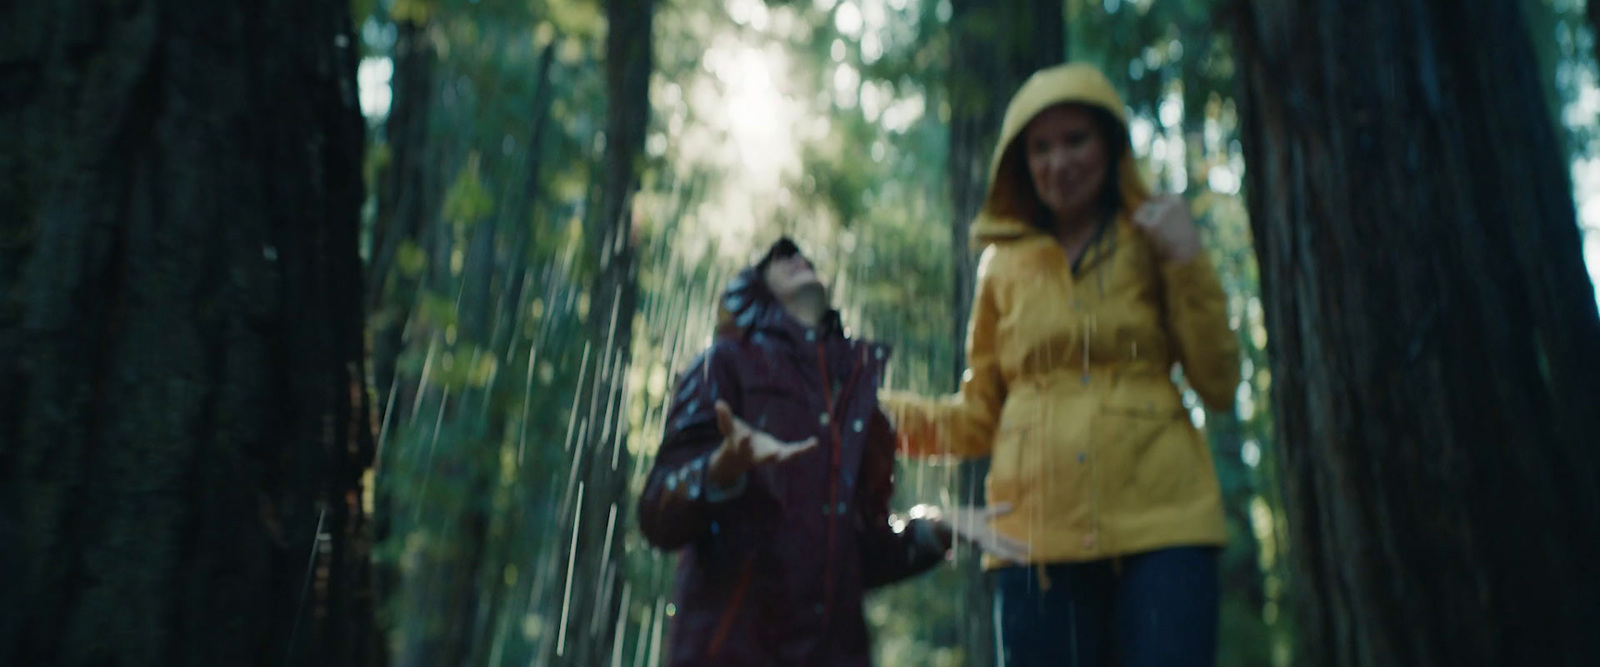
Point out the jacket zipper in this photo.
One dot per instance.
(835, 447)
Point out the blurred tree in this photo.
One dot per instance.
(994, 47)
(1434, 357)
(186, 423)
(482, 143)
(407, 193)
(407, 199)
(1592, 9)
(592, 632)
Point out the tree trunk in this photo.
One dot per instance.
(186, 422)
(1592, 9)
(1433, 333)
(407, 200)
(504, 339)
(595, 581)
(994, 47)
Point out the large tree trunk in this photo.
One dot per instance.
(994, 47)
(186, 422)
(594, 580)
(1434, 341)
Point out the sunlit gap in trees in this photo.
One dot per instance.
(1578, 114)
(741, 92)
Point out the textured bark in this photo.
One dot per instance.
(186, 423)
(1433, 333)
(994, 47)
(590, 625)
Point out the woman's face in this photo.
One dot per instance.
(1066, 152)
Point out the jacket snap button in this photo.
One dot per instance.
(841, 508)
(817, 608)
(823, 418)
(810, 335)
(857, 426)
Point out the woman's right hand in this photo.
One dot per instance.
(744, 448)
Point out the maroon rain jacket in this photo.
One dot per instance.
(772, 572)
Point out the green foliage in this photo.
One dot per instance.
(467, 201)
(577, 18)
(414, 11)
(411, 260)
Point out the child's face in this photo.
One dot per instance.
(788, 276)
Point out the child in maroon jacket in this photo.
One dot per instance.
(773, 480)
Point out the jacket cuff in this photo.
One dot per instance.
(1195, 278)
(718, 494)
(692, 482)
(914, 432)
(688, 481)
(925, 541)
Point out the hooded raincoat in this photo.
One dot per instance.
(1069, 388)
(772, 572)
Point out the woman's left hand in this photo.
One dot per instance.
(974, 525)
(1165, 220)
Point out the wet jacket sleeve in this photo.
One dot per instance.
(679, 505)
(1197, 322)
(959, 425)
(889, 554)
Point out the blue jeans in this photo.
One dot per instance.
(1154, 609)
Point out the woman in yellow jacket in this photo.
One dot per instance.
(1089, 291)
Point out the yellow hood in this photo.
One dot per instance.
(1007, 209)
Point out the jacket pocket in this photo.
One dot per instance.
(1008, 476)
(1149, 438)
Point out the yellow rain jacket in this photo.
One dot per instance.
(1069, 388)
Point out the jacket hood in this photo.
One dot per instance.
(1009, 206)
(746, 304)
